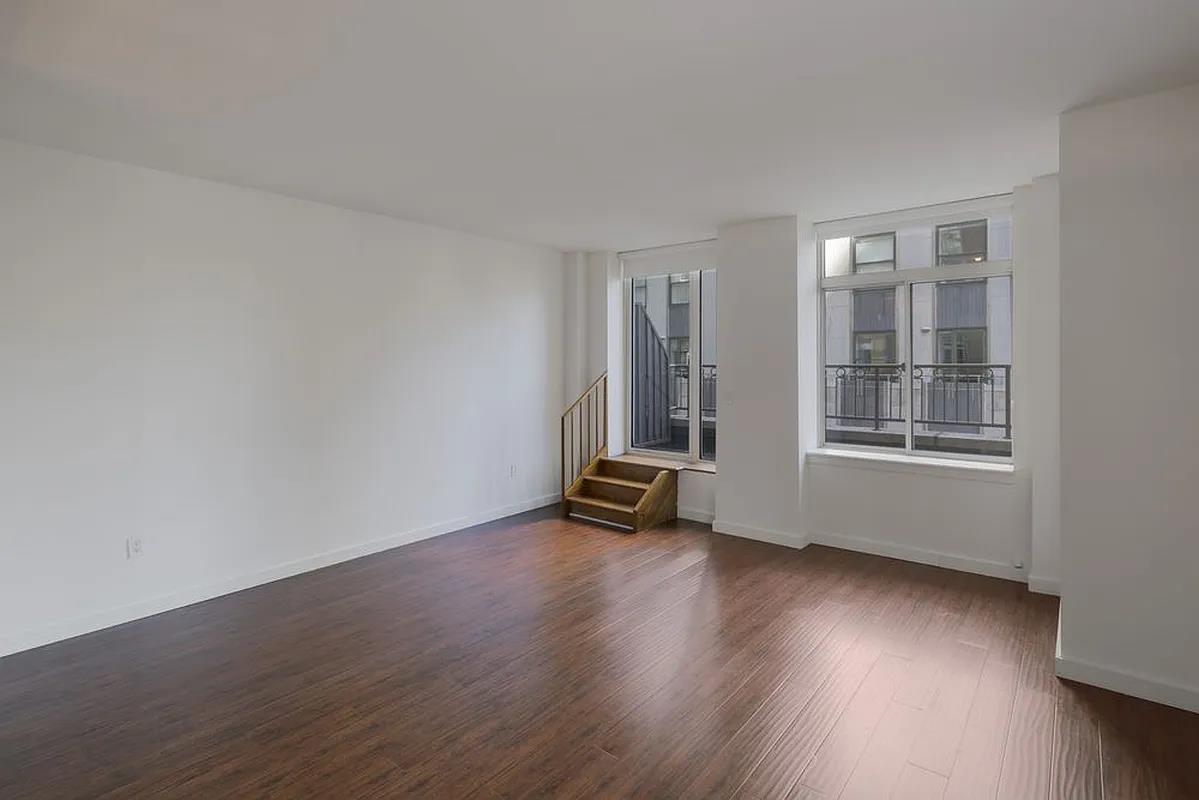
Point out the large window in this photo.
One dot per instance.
(874, 253)
(917, 332)
(962, 242)
(672, 363)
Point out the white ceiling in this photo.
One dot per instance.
(584, 123)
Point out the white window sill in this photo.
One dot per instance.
(923, 465)
(668, 462)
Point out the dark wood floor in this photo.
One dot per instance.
(542, 658)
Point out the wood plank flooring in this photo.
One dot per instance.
(541, 657)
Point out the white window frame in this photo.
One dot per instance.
(690, 259)
(902, 280)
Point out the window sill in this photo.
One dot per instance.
(921, 465)
(666, 462)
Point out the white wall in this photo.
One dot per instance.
(586, 320)
(1130, 387)
(1038, 286)
(977, 522)
(697, 495)
(253, 385)
(758, 435)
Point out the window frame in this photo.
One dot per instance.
(902, 280)
(853, 253)
(695, 415)
(938, 255)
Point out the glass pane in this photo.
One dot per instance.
(660, 345)
(874, 348)
(874, 253)
(962, 366)
(707, 361)
(863, 373)
(680, 289)
(962, 243)
(836, 257)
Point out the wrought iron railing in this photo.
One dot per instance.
(679, 381)
(963, 397)
(864, 394)
(951, 398)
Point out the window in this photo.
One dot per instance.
(672, 395)
(660, 408)
(962, 346)
(639, 293)
(874, 253)
(962, 243)
(874, 326)
(680, 350)
(919, 358)
(680, 290)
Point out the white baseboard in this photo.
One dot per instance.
(1044, 585)
(1156, 691)
(77, 626)
(697, 515)
(978, 566)
(784, 538)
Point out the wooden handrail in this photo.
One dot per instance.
(584, 430)
(603, 377)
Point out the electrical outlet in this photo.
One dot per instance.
(133, 547)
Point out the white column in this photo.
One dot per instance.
(758, 478)
(1036, 291)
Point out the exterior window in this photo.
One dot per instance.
(639, 293)
(671, 316)
(873, 348)
(680, 290)
(962, 346)
(962, 243)
(837, 259)
(874, 326)
(874, 253)
(918, 359)
(679, 350)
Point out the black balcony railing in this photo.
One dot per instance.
(966, 398)
(858, 395)
(973, 399)
(680, 389)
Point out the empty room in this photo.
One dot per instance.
(599, 399)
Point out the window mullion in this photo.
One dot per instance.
(909, 369)
(694, 416)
